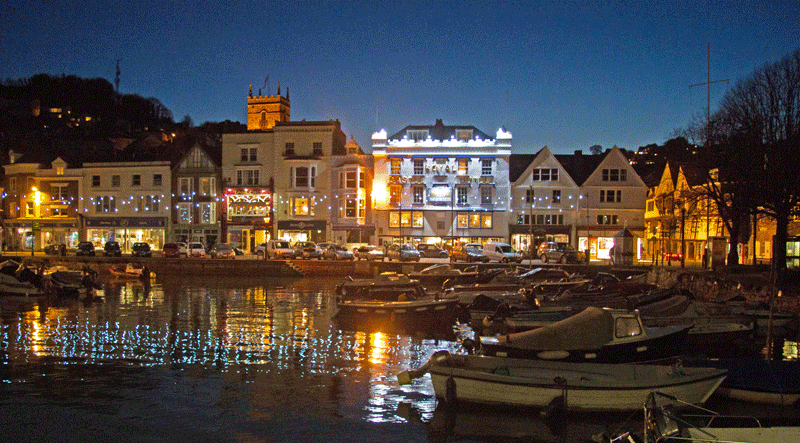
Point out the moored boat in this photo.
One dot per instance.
(18, 280)
(571, 386)
(756, 380)
(594, 334)
(393, 298)
(663, 424)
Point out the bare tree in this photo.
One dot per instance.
(756, 143)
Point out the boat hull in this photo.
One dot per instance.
(581, 386)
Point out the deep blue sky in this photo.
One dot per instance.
(566, 74)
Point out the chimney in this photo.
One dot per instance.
(578, 152)
(439, 122)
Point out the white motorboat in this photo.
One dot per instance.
(571, 386)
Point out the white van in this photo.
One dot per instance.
(501, 252)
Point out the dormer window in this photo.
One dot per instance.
(417, 134)
(464, 134)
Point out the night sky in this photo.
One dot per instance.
(565, 74)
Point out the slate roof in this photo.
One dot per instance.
(580, 166)
(439, 131)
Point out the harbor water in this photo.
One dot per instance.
(237, 358)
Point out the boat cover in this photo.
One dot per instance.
(588, 329)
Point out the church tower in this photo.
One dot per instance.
(264, 110)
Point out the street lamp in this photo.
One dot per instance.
(683, 232)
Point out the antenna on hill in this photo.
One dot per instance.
(116, 79)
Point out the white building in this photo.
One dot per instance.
(441, 184)
(127, 202)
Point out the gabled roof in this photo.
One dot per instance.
(517, 164)
(439, 131)
(580, 166)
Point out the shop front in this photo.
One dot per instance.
(303, 230)
(126, 231)
(353, 234)
(38, 234)
(522, 235)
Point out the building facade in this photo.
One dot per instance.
(441, 184)
(195, 215)
(127, 202)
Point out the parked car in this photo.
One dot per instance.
(369, 253)
(307, 250)
(469, 254)
(54, 249)
(195, 250)
(112, 249)
(560, 252)
(673, 256)
(181, 248)
(141, 249)
(171, 250)
(501, 252)
(275, 249)
(222, 250)
(402, 252)
(429, 250)
(85, 249)
(337, 252)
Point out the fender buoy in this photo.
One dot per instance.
(450, 394)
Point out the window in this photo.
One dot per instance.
(463, 134)
(301, 177)
(317, 146)
(610, 196)
(208, 186)
(58, 193)
(556, 196)
(60, 170)
(548, 219)
(615, 175)
(545, 174)
(208, 212)
(59, 212)
(486, 166)
(302, 206)
(486, 195)
(115, 181)
(247, 177)
(395, 166)
(607, 219)
(185, 186)
(394, 194)
(156, 179)
(147, 203)
(313, 177)
(462, 221)
(461, 194)
(289, 148)
(463, 166)
(419, 194)
(529, 195)
(651, 206)
(360, 178)
(12, 184)
(249, 154)
(419, 166)
(105, 204)
(350, 207)
(95, 181)
(185, 213)
(136, 180)
(362, 207)
(417, 220)
(350, 179)
(30, 209)
(417, 134)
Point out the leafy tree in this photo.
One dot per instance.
(596, 149)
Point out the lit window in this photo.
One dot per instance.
(395, 166)
(463, 164)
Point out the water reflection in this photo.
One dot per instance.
(230, 359)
